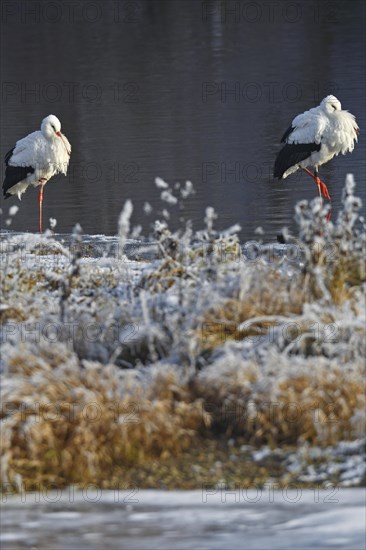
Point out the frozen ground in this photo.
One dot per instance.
(93, 246)
(208, 519)
(121, 359)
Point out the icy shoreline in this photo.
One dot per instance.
(206, 519)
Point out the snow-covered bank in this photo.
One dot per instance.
(205, 519)
(111, 364)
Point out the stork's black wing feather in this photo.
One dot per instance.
(8, 156)
(289, 130)
(291, 154)
(14, 174)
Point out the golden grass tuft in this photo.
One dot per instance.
(69, 423)
(320, 406)
(51, 248)
(347, 274)
(342, 271)
(316, 402)
(66, 424)
(252, 315)
(8, 313)
(164, 276)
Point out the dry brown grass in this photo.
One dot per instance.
(320, 406)
(65, 424)
(69, 423)
(317, 403)
(252, 315)
(22, 281)
(13, 314)
(346, 275)
(342, 271)
(164, 276)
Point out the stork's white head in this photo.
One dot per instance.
(330, 104)
(51, 127)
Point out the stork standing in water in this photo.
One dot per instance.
(314, 138)
(35, 159)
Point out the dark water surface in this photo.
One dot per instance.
(184, 90)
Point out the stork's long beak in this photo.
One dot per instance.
(60, 135)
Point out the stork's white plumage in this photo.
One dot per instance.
(35, 159)
(314, 138)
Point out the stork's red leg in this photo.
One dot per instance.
(317, 181)
(325, 191)
(40, 200)
(321, 185)
(321, 188)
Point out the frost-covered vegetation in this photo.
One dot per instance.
(110, 366)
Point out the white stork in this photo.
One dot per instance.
(35, 159)
(314, 138)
